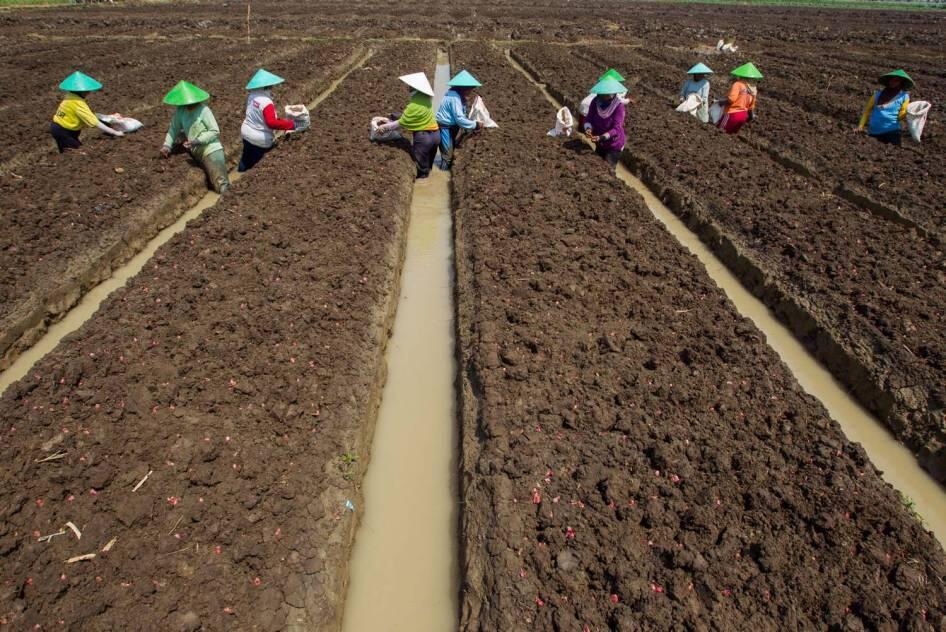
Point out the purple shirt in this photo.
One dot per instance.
(612, 125)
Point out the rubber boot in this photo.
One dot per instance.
(215, 165)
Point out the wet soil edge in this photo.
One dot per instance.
(382, 324)
(802, 320)
(472, 527)
(49, 305)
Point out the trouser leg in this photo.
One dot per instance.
(424, 150)
(611, 156)
(215, 165)
(65, 138)
(251, 155)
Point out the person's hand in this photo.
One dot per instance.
(479, 125)
(589, 133)
(859, 130)
(118, 134)
(165, 152)
(187, 145)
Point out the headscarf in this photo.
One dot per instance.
(607, 110)
(419, 113)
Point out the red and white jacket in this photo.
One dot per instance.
(261, 119)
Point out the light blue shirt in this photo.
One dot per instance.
(451, 112)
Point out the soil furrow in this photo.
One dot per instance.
(236, 371)
(634, 455)
(62, 235)
(840, 279)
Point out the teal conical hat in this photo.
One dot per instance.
(464, 80)
(79, 82)
(700, 69)
(899, 73)
(609, 86)
(746, 71)
(185, 93)
(263, 79)
(611, 73)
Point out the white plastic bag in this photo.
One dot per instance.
(917, 112)
(124, 124)
(691, 105)
(585, 106)
(715, 112)
(375, 135)
(564, 123)
(300, 116)
(480, 114)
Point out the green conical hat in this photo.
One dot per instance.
(611, 73)
(464, 80)
(746, 71)
(79, 82)
(185, 93)
(700, 69)
(899, 73)
(609, 86)
(263, 79)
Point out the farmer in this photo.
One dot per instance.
(739, 104)
(261, 119)
(604, 124)
(585, 104)
(886, 108)
(418, 118)
(451, 115)
(194, 128)
(74, 113)
(698, 83)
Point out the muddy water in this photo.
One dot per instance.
(91, 301)
(898, 464)
(404, 569)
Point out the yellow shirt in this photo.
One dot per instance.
(74, 112)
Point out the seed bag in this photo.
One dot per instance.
(564, 123)
(124, 124)
(300, 115)
(480, 114)
(375, 135)
(691, 105)
(917, 112)
(715, 112)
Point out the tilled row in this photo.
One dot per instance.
(634, 456)
(70, 219)
(866, 295)
(195, 430)
(905, 181)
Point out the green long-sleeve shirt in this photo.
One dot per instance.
(200, 128)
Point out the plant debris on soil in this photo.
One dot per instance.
(644, 459)
(865, 292)
(201, 413)
(633, 455)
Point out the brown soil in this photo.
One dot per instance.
(681, 478)
(634, 456)
(239, 367)
(65, 232)
(839, 276)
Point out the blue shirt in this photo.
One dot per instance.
(451, 112)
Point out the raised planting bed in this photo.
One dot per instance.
(866, 295)
(634, 455)
(904, 184)
(241, 369)
(70, 219)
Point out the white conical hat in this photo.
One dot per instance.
(418, 81)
